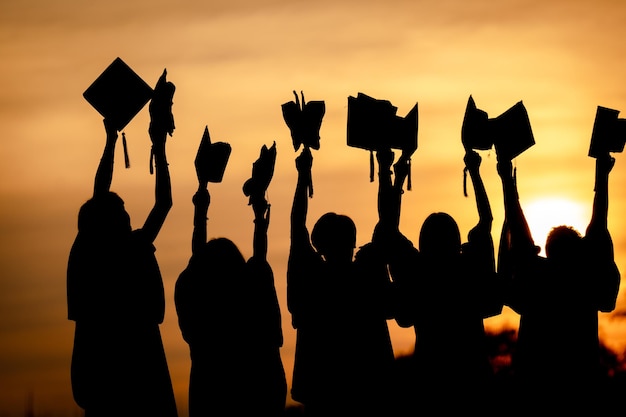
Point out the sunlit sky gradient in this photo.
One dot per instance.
(234, 63)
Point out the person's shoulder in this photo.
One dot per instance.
(364, 250)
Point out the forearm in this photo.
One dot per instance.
(516, 221)
(104, 173)
(163, 186)
(599, 214)
(163, 193)
(199, 236)
(261, 224)
(482, 201)
(299, 208)
(388, 204)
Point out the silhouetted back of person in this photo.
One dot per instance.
(229, 315)
(338, 308)
(115, 292)
(558, 298)
(445, 290)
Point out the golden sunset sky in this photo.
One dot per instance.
(234, 62)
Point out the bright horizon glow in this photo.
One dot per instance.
(544, 213)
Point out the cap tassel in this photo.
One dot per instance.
(408, 184)
(465, 181)
(371, 166)
(310, 187)
(126, 159)
(151, 161)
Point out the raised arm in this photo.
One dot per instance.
(299, 209)
(518, 231)
(261, 223)
(599, 214)
(161, 124)
(104, 174)
(598, 240)
(201, 201)
(300, 250)
(388, 209)
(390, 193)
(485, 217)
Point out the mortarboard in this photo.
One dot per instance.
(211, 159)
(304, 120)
(118, 94)
(608, 134)
(373, 124)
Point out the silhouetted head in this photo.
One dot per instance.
(563, 242)
(440, 236)
(334, 237)
(104, 217)
(221, 256)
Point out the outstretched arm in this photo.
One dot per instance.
(517, 226)
(485, 217)
(261, 223)
(300, 250)
(387, 206)
(599, 215)
(104, 174)
(599, 243)
(161, 124)
(201, 201)
(299, 209)
(517, 248)
(390, 192)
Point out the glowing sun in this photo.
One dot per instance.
(542, 214)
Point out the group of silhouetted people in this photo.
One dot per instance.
(340, 298)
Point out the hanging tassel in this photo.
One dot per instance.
(126, 159)
(151, 161)
(465, 181)
(515, 176)
(408, 183)
(371, 166)
(310, 187)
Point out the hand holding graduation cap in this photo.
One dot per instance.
(304, 161)
(304, 120)
(161, 117)
(111, 130)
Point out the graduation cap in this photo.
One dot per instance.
(211, 159)
(304, 120)
(373, 124)
(609, 132)
(118, 94)
(510, 133)
(473, 131)
(262, 172)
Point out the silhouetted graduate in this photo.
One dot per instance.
(338, 308)
(558, 298)
(380, 299)
(445, 290)
(115, 291)
(228, 309)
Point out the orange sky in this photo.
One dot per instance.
(234, 63)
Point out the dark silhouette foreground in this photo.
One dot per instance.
(228, 309)
(115, 291)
